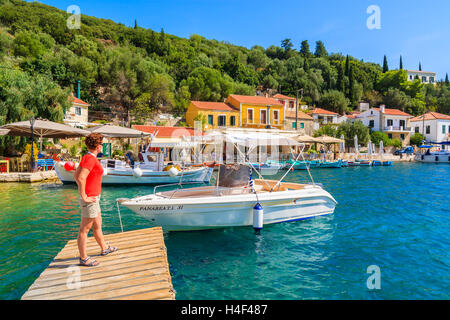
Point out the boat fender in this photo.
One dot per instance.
(69, 166)
(258, 218)
(137, 172)
(173, 172)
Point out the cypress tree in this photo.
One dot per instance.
(304, 51)
(401, 63)
(340, 79)
(306, 65)
(446, 78)
(347, 65)
(135, 24)
(420, 66)
(385, 65)
(351, 84)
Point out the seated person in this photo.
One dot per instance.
(131, 158)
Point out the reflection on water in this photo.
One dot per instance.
(393, 217)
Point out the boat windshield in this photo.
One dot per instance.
(234, 175)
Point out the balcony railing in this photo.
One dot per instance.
(397, 128)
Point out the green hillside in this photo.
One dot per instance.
(126, 70)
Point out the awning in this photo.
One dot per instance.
(112, 131)
(172, 143)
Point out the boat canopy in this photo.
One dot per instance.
(254, 139)
(444, 143)
(172, 143)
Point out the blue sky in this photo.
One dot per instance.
(417, 30)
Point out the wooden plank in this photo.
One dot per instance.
(138, 270)
(112, 241)
(112, 294)
(92, 291)
(151, 295)
(63, 281)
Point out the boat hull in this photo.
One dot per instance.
(125, 176)
(433, 158)
(232, 211)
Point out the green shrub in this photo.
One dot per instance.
(397, 143)
(378, 136)
(416, 139)
(73, 151)
(117, 152)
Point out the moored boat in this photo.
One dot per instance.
(213, 207)
(150, 170)
(331, 164)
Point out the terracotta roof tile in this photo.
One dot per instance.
(394, 112)
(255, 100)
(323, 111)
(431, 116)
(301, 115)
(282, 96)
(207, 105)
(78, 101)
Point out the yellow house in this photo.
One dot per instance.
(215, 115)
(258, 111)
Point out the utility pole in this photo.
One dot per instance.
(296, 108)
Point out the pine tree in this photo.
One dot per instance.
(320, 49)
(304, 50)
(347, 65)
(385, 65)
(401, 63)
(420, 66)
(446, 78)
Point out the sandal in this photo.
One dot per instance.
(108, 250)
(90, 264)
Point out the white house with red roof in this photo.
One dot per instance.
(77, 115)
(323, 117)
(434, 126)
(394, 122)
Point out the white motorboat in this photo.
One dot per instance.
(433, 157)
(151, 170)
(441, 156)
(235, 200)
(213, 207)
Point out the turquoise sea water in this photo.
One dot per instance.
(394, 217)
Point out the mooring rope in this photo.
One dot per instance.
(120, 218)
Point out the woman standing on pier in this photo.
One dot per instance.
(89, 180)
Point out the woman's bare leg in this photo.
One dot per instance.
(86, 225)
(98, 234)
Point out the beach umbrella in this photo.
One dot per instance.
(328, 140)
(306, 139)
(356, 144)
(342, 144)
(111, 131)
(43, 129)
(381, 148)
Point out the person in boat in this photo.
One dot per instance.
(89, 180)
(131, 158)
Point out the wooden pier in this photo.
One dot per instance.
(139, 270)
